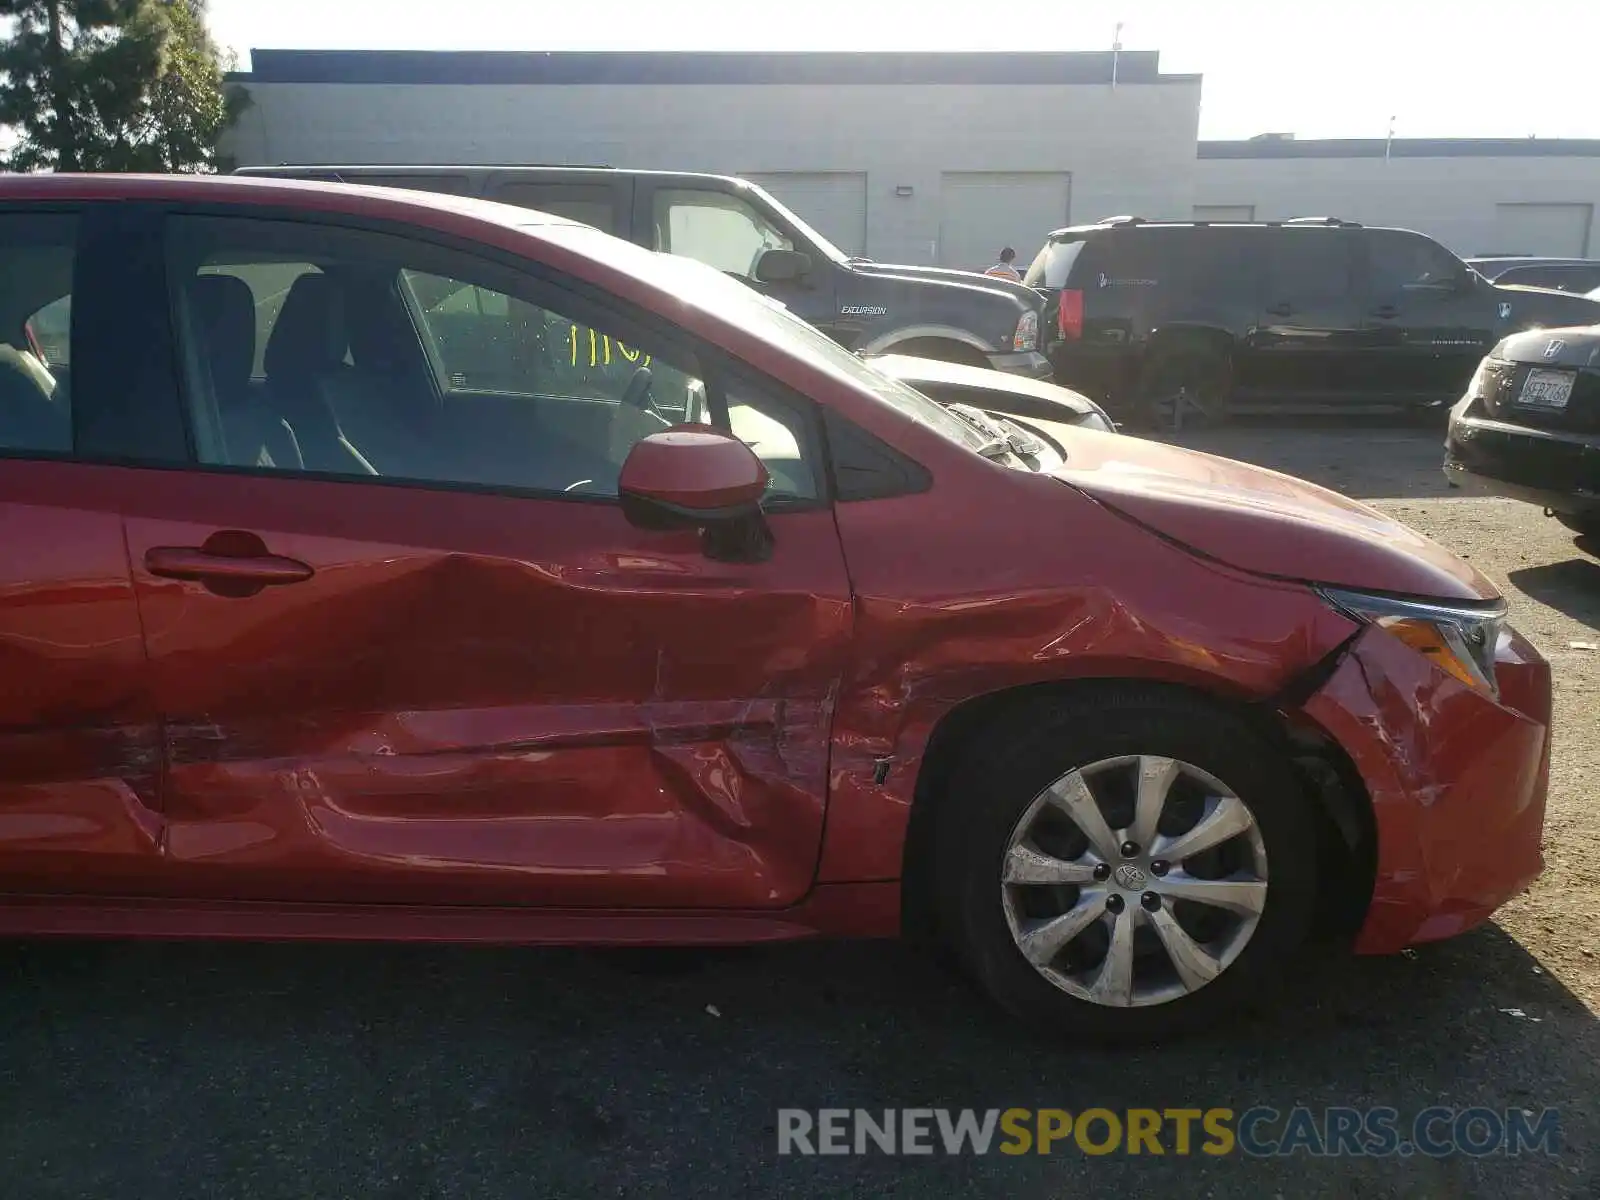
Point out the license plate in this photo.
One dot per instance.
(1546, 389)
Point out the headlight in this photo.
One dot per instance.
(1027, 334)
(1458, 640)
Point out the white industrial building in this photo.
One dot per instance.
(1478, 196)
(929, 158)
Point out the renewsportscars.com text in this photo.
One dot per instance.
(1259, 1131)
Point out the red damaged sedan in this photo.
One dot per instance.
(381, 565)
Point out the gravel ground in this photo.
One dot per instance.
(134, 1070)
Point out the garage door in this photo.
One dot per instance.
(981, 211)
(834, 203)
(1554, 230)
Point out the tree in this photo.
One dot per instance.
(189, 105)
(112, 85)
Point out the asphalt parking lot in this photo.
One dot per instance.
(135, 1070)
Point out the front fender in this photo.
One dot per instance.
(1060, 590)
(883, 342)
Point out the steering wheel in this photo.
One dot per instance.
(637, 394)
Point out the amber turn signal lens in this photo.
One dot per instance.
(1429, 641)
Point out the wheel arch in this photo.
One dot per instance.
(1346, 823)
(960, 345)
(1168, 339)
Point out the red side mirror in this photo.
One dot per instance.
(690, 476)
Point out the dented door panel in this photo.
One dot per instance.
(480, 698)
(80, 749)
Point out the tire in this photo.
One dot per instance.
(1582, 526)
(1202, 375)
(998, 790)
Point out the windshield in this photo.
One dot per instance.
(1053, 264)
(710, 289)
(800, 227)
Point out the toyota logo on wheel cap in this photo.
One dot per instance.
(1130, 877)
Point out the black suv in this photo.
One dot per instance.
(738, 228)
(1190, 321)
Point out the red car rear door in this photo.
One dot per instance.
(80, 743)
(404, 640)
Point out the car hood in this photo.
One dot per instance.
(997, 391)
(1026, 296)
(1553, 347)
(1262, 521)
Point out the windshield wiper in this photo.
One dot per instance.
(995, 443)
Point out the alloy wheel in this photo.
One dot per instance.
(1134, 880)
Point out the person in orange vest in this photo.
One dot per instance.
(1003, 268)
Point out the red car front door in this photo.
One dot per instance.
(405, 642)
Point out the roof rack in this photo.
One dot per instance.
(1120, 220)
(1333, 221)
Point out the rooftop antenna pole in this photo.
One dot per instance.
(1389, 141)
(1116, 49)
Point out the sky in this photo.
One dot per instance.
(1316, 68)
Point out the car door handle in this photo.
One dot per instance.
(1281, 309)
(1386, 311)
(197, 563)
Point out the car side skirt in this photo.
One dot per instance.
(862, 910)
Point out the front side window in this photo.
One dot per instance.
(718, 229)
(36, 262)
(1401, 262)
(386, 359)
(483, 340)
(49, 331)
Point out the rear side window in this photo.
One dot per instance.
(592, 203)
(449, 185)
(417, 181)
(1309, 264)
(36, 264)
(1135, 258)
(1052, 266)
(1198, 266)
(1177, 263)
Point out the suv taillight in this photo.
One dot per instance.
(1069, 314)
